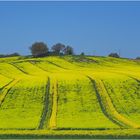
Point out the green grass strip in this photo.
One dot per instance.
(34, 134)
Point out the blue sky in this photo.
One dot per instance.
(93, 27)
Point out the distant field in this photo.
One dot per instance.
(69, 96)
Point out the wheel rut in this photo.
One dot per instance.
(44, 116)
(5, 90)
(54, 92)
(107, 106)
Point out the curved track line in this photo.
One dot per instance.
(57, 65)
(46, 106)
(115, 99)
(40, 68)
(108, 107)
(15, 66)
(23, 71)
(6, 90)
(6, 84)
(54, 92)
(127, 75)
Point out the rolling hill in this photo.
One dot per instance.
(69, 96)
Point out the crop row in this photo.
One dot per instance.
(23, 105)
(78, 106)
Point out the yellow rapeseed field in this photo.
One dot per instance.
(70, 96)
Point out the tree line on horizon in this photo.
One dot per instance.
(40, 49)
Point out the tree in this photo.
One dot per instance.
(68, 50)
(114, 55)
(58, 48)
(82, 54)
(138, 58)
(39, 49)
(14, 54)
(9, 55)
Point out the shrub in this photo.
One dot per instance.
(138, 58)
(114, 55)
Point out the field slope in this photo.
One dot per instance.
(69, 96)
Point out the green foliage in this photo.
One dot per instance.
(58, 48)
(114, 55)
(39, 49)
(68, 50)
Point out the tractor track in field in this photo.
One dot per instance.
(51, 64)
(23, 71)
(6, 85)
(54, 87)
(57, 65)
(40, 67)
(134, 78)
(116, 100)
(128, 75)
(131, 77)
(100, 102)
(49, 113)
(5, 90)
(45, 113)
(14, 65)
(107, 106)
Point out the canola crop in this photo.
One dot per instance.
(69, 93)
